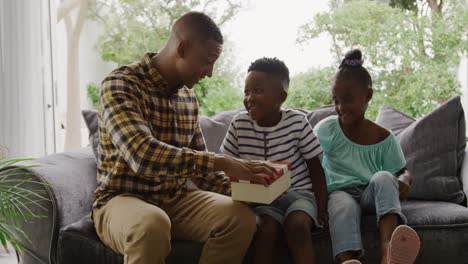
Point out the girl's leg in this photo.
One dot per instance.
(298, 233)
(344, 215)
(382, 197)
(265, 240)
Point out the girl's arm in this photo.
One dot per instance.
(319, 187)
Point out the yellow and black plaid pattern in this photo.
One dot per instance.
(150, 142)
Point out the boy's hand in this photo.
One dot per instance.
(404, 184)
(253, 171)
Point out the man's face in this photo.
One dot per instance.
(263, 96)
(198, 61)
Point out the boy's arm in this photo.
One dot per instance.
(318, 184)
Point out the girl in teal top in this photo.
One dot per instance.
(365, 171)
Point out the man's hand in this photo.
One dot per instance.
(404, 184)
(238, 169)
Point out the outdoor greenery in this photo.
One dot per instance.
(412, 54)
(311, 89)
(16, 201)
(133, 27)
(412, 48)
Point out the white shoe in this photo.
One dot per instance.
(404, 246)
(352, 261)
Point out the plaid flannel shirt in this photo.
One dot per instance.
(150, 141)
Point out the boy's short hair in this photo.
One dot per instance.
(273, 66)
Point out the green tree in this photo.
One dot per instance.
(311, 89)
(133, 27)
(412, 56)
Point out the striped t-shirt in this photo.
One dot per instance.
(291, 140)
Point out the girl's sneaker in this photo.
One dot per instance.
(404, 246)
(352, 261)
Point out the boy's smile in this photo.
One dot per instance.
(263, 97)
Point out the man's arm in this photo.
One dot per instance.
(130, 134)
(215, 182)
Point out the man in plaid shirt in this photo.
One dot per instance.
(150, 149)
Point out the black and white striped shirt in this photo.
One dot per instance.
(291, 140)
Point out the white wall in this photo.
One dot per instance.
(25, 78)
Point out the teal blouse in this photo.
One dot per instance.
(347, 164)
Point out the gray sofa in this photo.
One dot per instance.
(434, 147)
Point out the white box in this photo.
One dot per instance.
(257, 193)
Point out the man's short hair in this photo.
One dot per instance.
(201, 25)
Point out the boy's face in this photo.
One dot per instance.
(263, 97)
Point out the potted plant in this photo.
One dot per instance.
(16, 201)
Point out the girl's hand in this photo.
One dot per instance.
(404, 185)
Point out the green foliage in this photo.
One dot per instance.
(93, 94)
(311, 89)
(133, 27)
(216, 95)
(413, 59)
(16, 202)
(405, 4)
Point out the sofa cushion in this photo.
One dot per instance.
(226, 116)
(393, 120)
(434, 147)
(78, 243)
(318, 114)
(213, 132)
(91, 120)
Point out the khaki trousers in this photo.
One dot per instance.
(142, 232)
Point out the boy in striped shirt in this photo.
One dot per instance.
(267, 132)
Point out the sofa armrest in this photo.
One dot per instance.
(464, 174)
(70, 181)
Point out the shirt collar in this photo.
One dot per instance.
(153, 75)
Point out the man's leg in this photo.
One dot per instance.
(138, 230)
(226, 226)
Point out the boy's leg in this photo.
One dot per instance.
(226, 226)
(382, 197)
(298, 232)
(301, 218)
(134, 228)
(344, 215)
(266, 240)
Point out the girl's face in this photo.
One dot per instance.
(350, 99)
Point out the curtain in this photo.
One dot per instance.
(26, 97)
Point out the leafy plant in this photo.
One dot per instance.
(16, 202)
(93, 94)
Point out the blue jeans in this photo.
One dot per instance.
(287, 203)
(381, 197)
